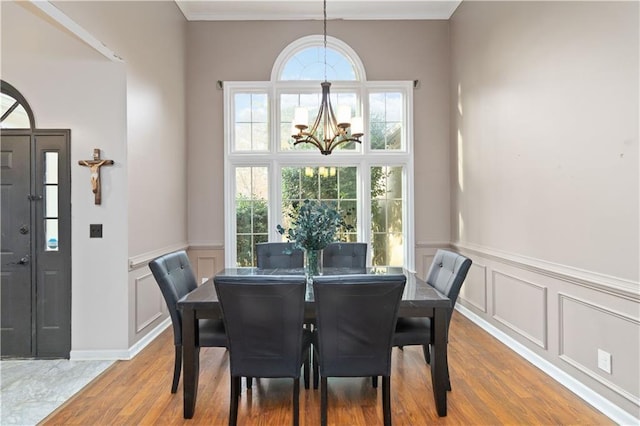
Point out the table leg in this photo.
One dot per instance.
(190, 360)
(439, 360)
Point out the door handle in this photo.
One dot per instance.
(24, 260)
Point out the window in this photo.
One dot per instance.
(15, 112)
(251, 212)
(267, 175)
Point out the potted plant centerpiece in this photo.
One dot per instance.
(314, 224)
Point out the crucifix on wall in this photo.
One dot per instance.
(94, 165)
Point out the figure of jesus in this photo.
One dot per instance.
(95, 173)
(94, 166)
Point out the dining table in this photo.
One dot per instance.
(418, 300)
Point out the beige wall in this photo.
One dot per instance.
(58, 76)
(540, 188)
(135, 112)
(389, 50)
(154, 54)
(548, 131)
(545, 180)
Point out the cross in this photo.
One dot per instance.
(94, 165)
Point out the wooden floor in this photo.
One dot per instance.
(491, 386)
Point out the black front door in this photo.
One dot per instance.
(36, 243)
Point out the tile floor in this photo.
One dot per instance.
(32, 389)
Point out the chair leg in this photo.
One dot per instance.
(296, 401)
(316, 373)
(446, 363)
(386, 400)
(235, 394)
(249, 382)
(305, 369)
(323, 401)
(176, 369)
(427, 353)
(374, 381)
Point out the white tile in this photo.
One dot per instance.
(31, 389)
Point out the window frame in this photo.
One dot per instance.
(363, 157)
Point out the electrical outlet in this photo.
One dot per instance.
(95, 230)
(604, 361)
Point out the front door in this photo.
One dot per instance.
(36, 243)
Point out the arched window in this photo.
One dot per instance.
(304, 59)
(15, 112)
(266, 174)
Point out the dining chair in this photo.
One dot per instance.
(356, 318)
(264, 318)
(345, 255)
(278, 255)
(447, 274)
(175, 278)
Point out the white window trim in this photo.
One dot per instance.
(363, 157)
(315, 41)
(275, 159)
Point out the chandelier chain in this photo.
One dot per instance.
(325, 40)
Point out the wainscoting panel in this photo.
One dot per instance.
(474, 288)
(427, 260)
(425, 252)
(586, 327)
(521, 306)
(149, 304)
(206, 267)
(206, 262)
(563, 315)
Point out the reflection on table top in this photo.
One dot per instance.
(417, 294)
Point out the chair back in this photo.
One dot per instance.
(345, 255)
(175, 278)
(278, 255)
(264, 319)
(447, 273)
(356, 317)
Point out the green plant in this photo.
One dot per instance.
(314, 224)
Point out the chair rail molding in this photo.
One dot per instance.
(143, 259)
(620, 287)
(204, 245)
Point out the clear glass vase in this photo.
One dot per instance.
(312, 263)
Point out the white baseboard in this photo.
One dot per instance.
(121, 354)
(593, 398)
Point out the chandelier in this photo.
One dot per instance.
(328, 130)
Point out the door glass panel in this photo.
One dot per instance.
(51, 234)
(51, 201)
(51, 168)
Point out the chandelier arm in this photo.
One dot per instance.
(308, 138)
(334, 133)
(335, 143)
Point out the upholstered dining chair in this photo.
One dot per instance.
(278, 255)
(345, 255)
(175, 278)
(447, 274)
(356, 317)
(264, 319)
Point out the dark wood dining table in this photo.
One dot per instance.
(419, 300)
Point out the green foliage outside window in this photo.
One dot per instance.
(252, 221)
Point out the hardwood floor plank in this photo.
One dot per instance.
(491, 385)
